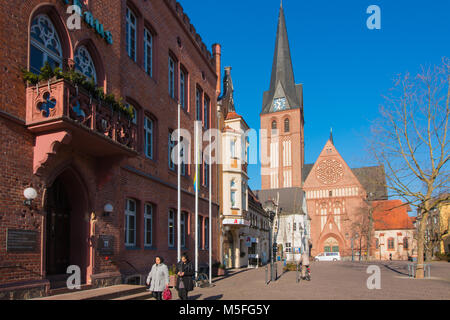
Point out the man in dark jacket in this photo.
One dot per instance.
(185, 283)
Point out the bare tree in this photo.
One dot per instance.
(411, 140)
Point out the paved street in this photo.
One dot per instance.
(331, 280)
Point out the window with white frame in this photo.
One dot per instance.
(171, 77)
(148, 134)
(233, 148)
(171, 228)
(148, 225)
(206, 105)
(244, 195)
(131, 31)
(206, 228)
(183, 165)
(183, 223)
(130, 222)
(198, 104)
(205, 174)
(45, 44)
(148, 52)
(171, 146)
(183, 87)
(200, 232)
(233, 193)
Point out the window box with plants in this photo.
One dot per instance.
(60, 99)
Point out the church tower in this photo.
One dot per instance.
(282, 120)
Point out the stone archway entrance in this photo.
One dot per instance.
(331, 245)
(67, 229)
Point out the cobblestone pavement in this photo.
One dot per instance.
(330, 281)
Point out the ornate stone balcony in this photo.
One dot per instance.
(59, 112)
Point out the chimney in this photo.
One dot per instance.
(216, 49)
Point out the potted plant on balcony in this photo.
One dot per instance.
(173, 276)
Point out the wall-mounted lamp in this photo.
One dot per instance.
(107, 209)
(30, 194)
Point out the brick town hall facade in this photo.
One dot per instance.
(106, 188)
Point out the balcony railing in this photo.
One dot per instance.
(61, 105)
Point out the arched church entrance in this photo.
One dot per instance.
(331, 245)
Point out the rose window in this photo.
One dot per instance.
(329, 171)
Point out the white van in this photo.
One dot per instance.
(328, 256)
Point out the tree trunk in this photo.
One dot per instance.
(421, 243)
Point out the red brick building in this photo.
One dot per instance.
(106, 188)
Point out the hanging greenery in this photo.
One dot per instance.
(77, 79)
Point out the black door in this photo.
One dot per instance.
(58, 229)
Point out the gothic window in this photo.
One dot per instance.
(274, 125)
(84, 63)
(286, 125)
(45, 45)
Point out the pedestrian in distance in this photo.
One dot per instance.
(390, 256)
(185, 272)
(158, 278)
(304, 262)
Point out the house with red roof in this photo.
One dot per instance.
(394, 230)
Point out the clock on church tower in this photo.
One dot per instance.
(279, 104)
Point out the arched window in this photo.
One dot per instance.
(45, 44)
(274, 124)
(84, 63)
(286, 125)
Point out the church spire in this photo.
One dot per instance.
(331, 135)
(282, 83)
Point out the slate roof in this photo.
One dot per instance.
(373, 180)
(282, 71)
(291, 199)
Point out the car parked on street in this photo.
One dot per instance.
(328, 256)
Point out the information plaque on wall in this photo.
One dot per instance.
(21, 240)
(105, 245)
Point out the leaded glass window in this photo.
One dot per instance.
(84, 63)
(45, 45)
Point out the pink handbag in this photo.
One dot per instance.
(167, 294)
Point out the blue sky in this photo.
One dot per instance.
(344, 66)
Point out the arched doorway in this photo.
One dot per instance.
(331, 245)
(67, 229)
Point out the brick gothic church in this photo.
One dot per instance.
(335, 194)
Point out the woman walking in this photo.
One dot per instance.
(158, 278)
(185, 271)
